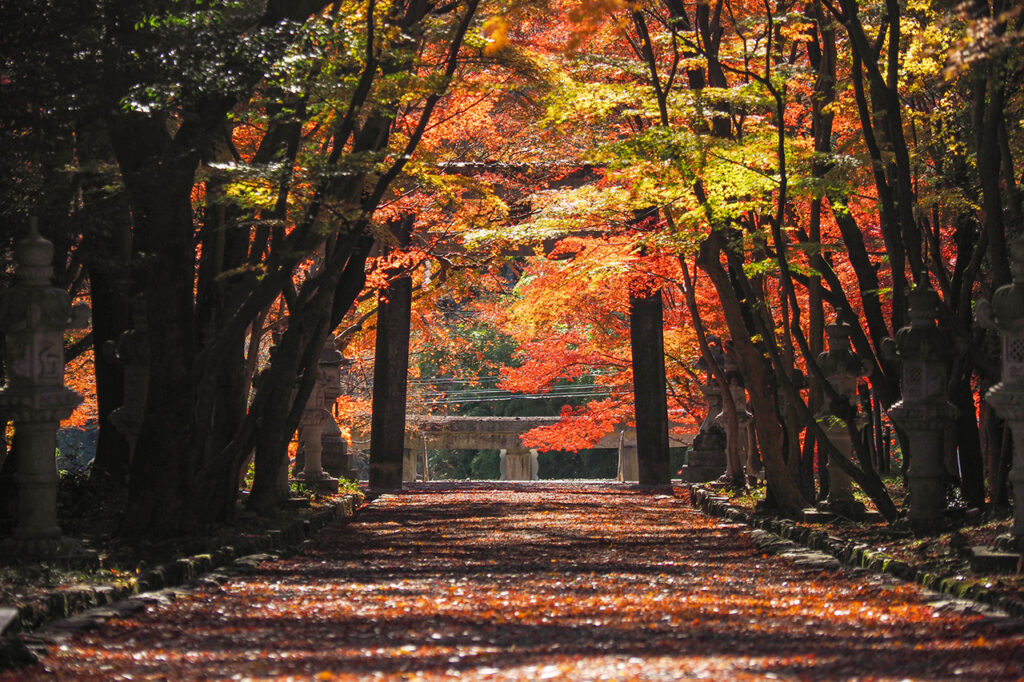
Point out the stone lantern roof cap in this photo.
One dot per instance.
(34, 255)
(923, 306)
(839, 358)
(922, 339)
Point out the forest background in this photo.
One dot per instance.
(230, 183)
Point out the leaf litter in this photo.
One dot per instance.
(543, 581)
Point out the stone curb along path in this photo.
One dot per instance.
(819, 549)
(26, 632)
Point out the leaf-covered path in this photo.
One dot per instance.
(544, 581)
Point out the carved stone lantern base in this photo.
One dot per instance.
(706, 459)
(1004, 556)
(851, 509)
(925, 426)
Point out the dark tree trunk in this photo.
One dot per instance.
(159, 179)
(110, 316)
(972, 469)
(646, 335)
(757, 372)
(391, 375)
(106, 251)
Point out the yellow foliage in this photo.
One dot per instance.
(495, 30)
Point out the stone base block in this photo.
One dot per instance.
(694, 473)
(991, 560)
(63, 551)
(850, 508)
(324, 484)
(518, 465)
(812, 515)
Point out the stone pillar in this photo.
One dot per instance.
(923, 412)
(33, 317)
(311, 429)
(409, 465)
(336, 458)
(842, 369)
(1006, 313)
(518, 464)
(629, 467)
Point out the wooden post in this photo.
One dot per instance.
(648, 352)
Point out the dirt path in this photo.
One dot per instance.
(545, 582)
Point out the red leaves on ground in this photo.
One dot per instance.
(543, 581)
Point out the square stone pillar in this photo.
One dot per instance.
(409, 465)
(518, 464)
(629, 467)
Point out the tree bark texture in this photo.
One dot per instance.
(391, 376)
(646, 331)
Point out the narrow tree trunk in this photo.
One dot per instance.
(972, 476)
(110, 314)
(646, 332)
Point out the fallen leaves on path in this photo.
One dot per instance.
(544, 581)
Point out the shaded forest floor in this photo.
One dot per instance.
(90, 515)
(544, 581)
(945, 554)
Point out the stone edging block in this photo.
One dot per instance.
(853, 553)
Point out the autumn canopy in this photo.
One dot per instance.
(573, 205)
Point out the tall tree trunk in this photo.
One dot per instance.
(391, 374)
(106, 249)
(646, 334)
(159, 180)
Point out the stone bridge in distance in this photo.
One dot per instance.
(518, 462)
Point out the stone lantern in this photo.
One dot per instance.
(737, 442)
(706, 460)
(335, 456)
(33, 317)
(842, 369)
(311, 429)
(1006, 313)
(923, 412)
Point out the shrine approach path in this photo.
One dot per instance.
(541, 581)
